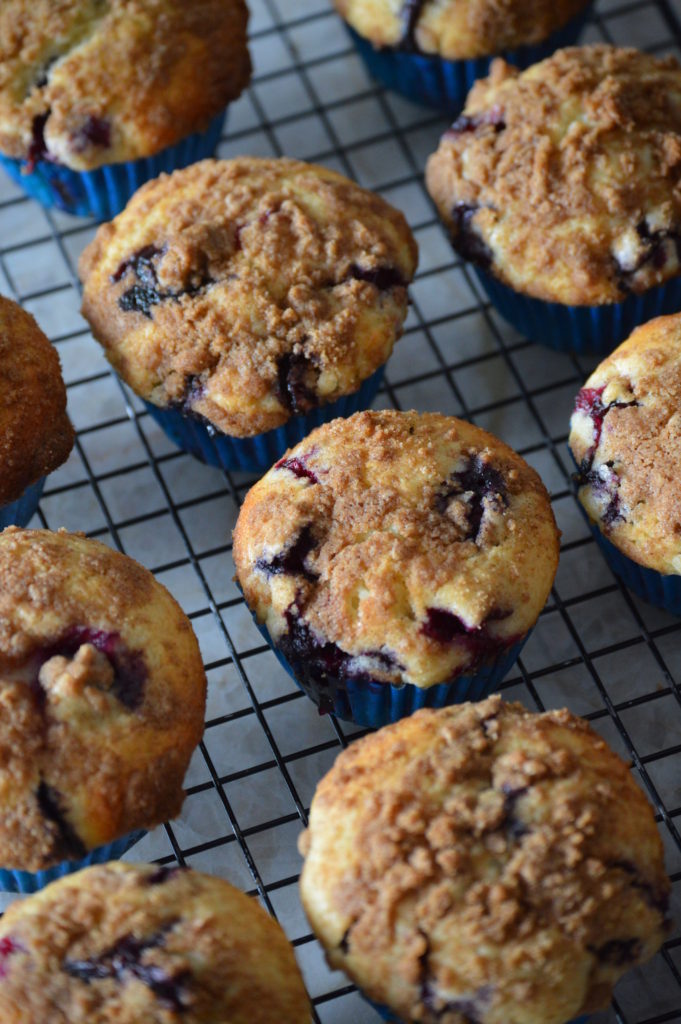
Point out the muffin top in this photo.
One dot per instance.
(36, 435)
(457, 29)
(102, 692)
(135, 944)
(246, 291)
(625, 435)
(403, 545)
(484, 863)
(564, 180)
(91, 82)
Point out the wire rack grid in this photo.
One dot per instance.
(595, 649)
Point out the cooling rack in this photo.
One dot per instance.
(596, 649)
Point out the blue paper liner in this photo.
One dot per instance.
(385, 1013)
(587, 330)
(444, 84)
(664, 591)
(373, 703)
(263, 450)
(21, 511)
(32, 881)
(104, 192)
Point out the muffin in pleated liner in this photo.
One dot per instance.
(484, 863)
(269, 310)
(36, 435)
(104, 191)
(143, 944)
(395, 561)
(572, 250)
(215, 448)
(625, 438)
(102, 692)
(98, 98)
(436, 82)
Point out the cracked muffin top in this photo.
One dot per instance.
(564, 180)
(102, 695)
(484, 863)
(36, 435)
(408, 546)
(457, 29)
(625, 435)
(139, 944)
(245, 291)
(91, 82)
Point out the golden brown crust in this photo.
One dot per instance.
(102, 692)
(190, 947)
(483, 862)
(36, 435)
(458, 29)
(626, 437)
(410, 519)
(115, 80)
(565, 179)
(245, 291)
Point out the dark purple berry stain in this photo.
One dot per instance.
(447, 628)
(515, 828)
(95, 131)
(589, 401)
(655, 898)
(298, 466)
(163, 874)
(618, 952)
(480, 486)
(38, 148)
(655, 253)
(292, 386)
(130, 671)
(291, 561)
(67, 843)
(124, 960)
(466, 123)
(383, 278)
(465, 239)
(409, 15)
(141, 297)
(322, 668)
(8, 947)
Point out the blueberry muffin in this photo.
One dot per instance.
(562, 183)
(433, 50)
(237, 295)
(86, 84)
(36, 435)
(146, 945)
(391, 554)
(103, 694)
(484, 863)
(625, 436)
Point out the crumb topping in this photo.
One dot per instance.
(625, 434)
(246, 291)
(91, 82)
(407, 546)
(127, 943)
(564, 180)
(102, 692)
(457, 29)
(474, 864)
(36, 435)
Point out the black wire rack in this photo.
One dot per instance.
(596, 648)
